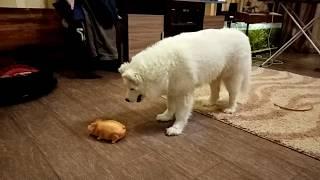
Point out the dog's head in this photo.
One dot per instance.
(134, 83)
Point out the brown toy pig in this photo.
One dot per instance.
(107, 129)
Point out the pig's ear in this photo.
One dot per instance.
(92, 127)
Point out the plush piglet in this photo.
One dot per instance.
(107, 129)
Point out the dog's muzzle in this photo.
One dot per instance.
(139, 99)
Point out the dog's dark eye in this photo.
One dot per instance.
(131, 89)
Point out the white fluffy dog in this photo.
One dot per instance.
(177, 65)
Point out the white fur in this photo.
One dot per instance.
(177, 65)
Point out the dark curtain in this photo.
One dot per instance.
(306, 12)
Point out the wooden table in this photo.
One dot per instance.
(253, 18)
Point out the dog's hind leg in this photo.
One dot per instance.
(184, 105)
(214, 93)
(233, 85)
(168, 114)
(215, 90)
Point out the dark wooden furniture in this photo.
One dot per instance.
(33, 34)
(179, 16)
(183, 16)
(125, 7)
(253, 18)
(230, 14)
(42, 27)
(22, 27)
(30, 35)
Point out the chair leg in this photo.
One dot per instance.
(247, 30)
(305, 34)
(287, 44)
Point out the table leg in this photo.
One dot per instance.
(247, 30)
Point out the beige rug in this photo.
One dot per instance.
(298, 130)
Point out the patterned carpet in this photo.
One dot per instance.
(260, 115)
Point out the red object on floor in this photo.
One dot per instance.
(17, 70)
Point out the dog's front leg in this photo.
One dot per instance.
(183, 105)
(168, 114)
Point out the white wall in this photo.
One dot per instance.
(27, 3)
(8, 3)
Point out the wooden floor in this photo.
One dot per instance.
(47, 139)
(304, 64)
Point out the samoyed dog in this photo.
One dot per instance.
(176, 66)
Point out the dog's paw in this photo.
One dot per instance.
(173, 131)
(163, 117)
(206, 102)
(229, 110)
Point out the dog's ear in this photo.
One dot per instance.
(132, 76)
(123, 68)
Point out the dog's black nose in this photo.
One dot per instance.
(139, 98)
(127, 100)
